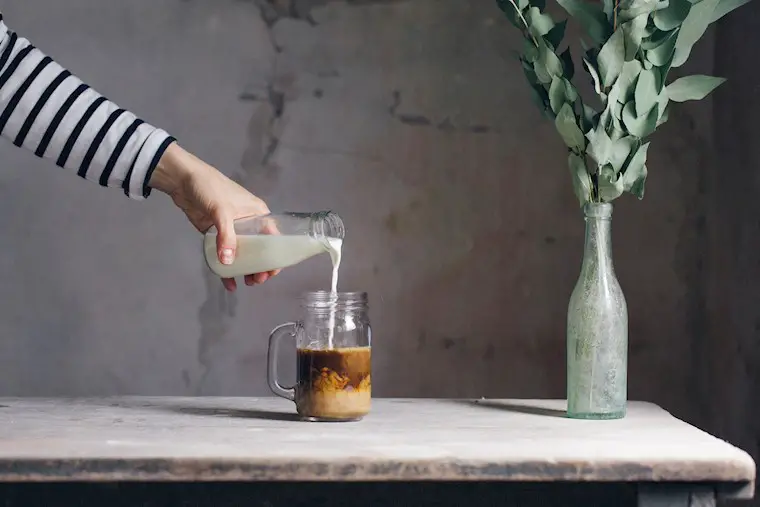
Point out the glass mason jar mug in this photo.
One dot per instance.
(277, 240)
(333, 356)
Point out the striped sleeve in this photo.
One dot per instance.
(55, 115)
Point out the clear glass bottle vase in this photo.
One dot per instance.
(597, 328)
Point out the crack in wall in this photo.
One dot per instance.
(272, 11)
(445, 125)
(219, 308)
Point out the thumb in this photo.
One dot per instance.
(226, 241)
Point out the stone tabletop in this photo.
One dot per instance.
(260, 439)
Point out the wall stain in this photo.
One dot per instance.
(272, 11)
(444, 125)
(421, 340)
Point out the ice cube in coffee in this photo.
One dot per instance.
(334, 384)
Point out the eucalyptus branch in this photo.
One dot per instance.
(634, 45)
(525, 23)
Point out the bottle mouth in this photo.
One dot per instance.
(324, 300)
(328, 224)
(598, 210)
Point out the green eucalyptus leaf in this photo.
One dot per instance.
(630, 9)
(570, 92)
(530, 51)
(599, 145)
(663, 54)
(542, 75)
(660, 75)
(694, 87)
(512, 13)
(594, 76)
(664, 115)
(672, 16)
(549, 59)
(636, 172)
(588, 117)
(640, 126)
(648, 65)
(539, 24)
(606, 121)
(621, 151)
(590, 17)
(617, 131)
(538, 93)
(638, 186)
(556, 34)
(617, 110)
(610, 184)
(611, 58)
(557, 93)
(523, 4)
(662, 102)
(580, 177)
(692, 29)
(724, 7)
(626, 84)
(567, 63)
(646, 92)
(656, 39)
(568, 128)
(633, 33)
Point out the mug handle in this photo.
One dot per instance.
(281, 331)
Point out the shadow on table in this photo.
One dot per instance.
(513, 406)
(233, 413)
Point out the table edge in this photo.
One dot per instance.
(358, 470)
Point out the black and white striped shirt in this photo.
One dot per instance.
(52, 113)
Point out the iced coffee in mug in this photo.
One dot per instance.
(333, 356)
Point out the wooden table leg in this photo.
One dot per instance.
(668, 495)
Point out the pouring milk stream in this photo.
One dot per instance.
(280, 240)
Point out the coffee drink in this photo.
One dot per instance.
(333, 384)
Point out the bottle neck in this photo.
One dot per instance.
(597, 252)
(326, 224)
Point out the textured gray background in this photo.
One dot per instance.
(410, 118)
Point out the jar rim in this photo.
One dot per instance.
(329, 296)
(327, 300)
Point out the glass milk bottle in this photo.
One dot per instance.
(277, 240)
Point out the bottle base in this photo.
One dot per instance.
(596, 416)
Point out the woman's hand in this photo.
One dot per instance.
(208, 197)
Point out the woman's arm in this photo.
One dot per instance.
(52, 113)
(46, 110)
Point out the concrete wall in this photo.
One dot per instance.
(407, 117)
